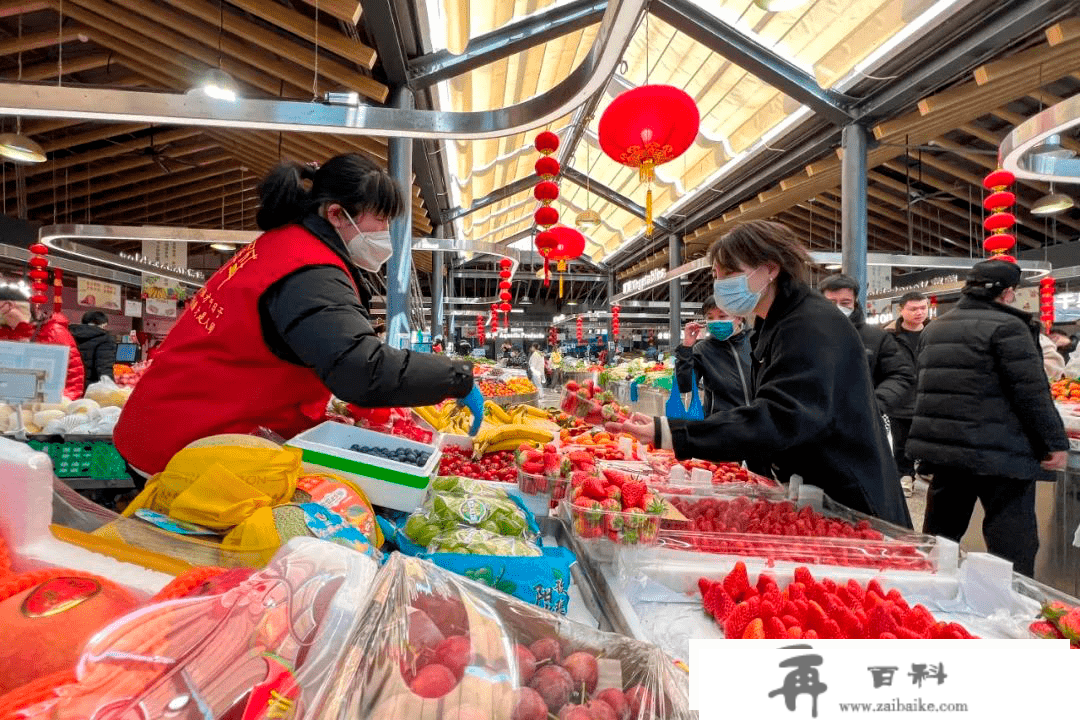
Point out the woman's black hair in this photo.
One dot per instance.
(350, 180)
(95, 317)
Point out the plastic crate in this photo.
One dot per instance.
(95, 459)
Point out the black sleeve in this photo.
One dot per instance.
(1023, 381)
(314, 318)
(684, 367)
(105, 357)
(793, 405)
(894, 374)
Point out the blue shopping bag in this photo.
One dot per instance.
(675, 408)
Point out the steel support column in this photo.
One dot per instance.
(612, 340)
(675, 291)
(437, 304)
(399, 269)
(853, 241)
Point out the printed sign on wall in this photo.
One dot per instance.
(99, 294)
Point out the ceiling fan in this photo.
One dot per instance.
(159, 154)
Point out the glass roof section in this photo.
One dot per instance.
(832, 40)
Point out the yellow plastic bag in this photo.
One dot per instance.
(271, 471)
(218, 500)
(253, 542)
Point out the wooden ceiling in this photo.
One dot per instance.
(135, 173)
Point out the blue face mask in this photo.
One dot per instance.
(721, 329)
(734, 296)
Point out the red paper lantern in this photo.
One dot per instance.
(999, 200)
(505, 307)
(547, 167)
(504, 284)
(547, 142)
(504, 274)
(570, 243)
(504, 295)
(648, 126)
(999, 221)
(998, 180)
(39, 249)
(39, 274)
(505, 263)
(545, 243)
(1000, 242)
(546, 192)
(38, 299)
(39, 262)
(546, 216)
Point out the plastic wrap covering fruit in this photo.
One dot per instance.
(453, 504)
(679, 472)
(601, 521)
(434, 646)
(591, 403)
(815, 530)
(215, 656)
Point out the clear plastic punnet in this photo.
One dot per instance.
(812, 529)
(432, 645)
(215, 655)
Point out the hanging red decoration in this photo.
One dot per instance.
(504, 284)
(648, 126)
(546, 242)
(39, 262)
(39, 287)
(1046, 302)
(546, 216)
(1000, 220)
(570, 243)
(580, 333)
(547, 167)
(506, 263)
(39, 249)
(39, 274)
(504, 274)
(504, 295)
(505, 307)
(39, 299)
(547, 142)
(546, 192)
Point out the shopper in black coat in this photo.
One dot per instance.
(813, 411)
(96, 346)
(985, 423)
(720, 359)
(892, 370)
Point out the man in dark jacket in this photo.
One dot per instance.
(720, 360)
(892, 371)
(984, 419)
(96, 346)
(907, 330)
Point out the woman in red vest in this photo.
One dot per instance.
(285, 323)
(17, 323)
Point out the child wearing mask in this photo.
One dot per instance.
(718, 354)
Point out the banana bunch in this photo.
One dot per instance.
(501, 429)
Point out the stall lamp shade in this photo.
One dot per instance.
(778, 5)
(20, 149)
(1052, 204)
(223, 247)
(219, 85)
(588, 218)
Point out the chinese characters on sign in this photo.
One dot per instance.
(803, 680)
(95, 293)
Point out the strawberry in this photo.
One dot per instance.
(635, 518)
(875, 586)
(856, 590)
(613, 519)
(774, 629)
(1054, 610)
(810, 635)
(795, 633)
(897, 598)
(704, 584)
(959, 632)
(633, 493)
(614, 493)
(832, 631)
(887, 636)
(533, 467)
(1069, 624)
(904, 633)
(764, 582)
(1044, 629)
(594, 489)
(881, 622)
(790, 621)
(737, 583)
(872, 600)
(720, 603)
(918, 619)
(652, 504)
(572, 386)
(768, 610)
(618, 478)
(755, 630)
(848, 622)
(578, 478)
(796, 591)
(802, 575)
(816, 617)
(739, 618)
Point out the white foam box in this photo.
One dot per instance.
(391, 484)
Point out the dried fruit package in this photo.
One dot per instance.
(215, 655)
(431, 645)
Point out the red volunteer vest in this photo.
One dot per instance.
(215, 373)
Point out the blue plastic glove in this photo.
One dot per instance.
(475, 402)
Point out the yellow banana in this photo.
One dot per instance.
(497, 412)
(535, 412)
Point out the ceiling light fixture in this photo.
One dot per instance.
(223, 247)
(20, 149)
(217, 83)
(1052, 203)
(587, 218)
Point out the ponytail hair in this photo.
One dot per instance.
(350, 180)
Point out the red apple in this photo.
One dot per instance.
(526, 662)
(583, 668)
(575, 712)
(529, 706)
(617, 700)
(455, 653)
(600, 710)
(554, 685)
(433, 681)
(547, 649)
(639, 700)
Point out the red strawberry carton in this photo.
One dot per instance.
(626, 528)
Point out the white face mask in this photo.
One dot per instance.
(369, 250)
(846, 310)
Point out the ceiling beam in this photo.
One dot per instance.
(329, 67)
(49, 70)
(112, 150)
(163, 184)
(300, 25)
(347, 11)
(510, 39)
(36, 41)
(98, 133)
(192, 194)
(11, 8)
(493, 197)
(727, 41)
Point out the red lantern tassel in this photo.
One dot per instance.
(547, 273)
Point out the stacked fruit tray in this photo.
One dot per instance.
(812, 530)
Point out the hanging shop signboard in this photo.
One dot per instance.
(98, 294)
(165, 252)
(133, 308)
(155, 287)
(640, 283)
(161, 308)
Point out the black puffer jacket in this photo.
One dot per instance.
(723, 366)
(908, 342)
(98, 351)
(983, 403)
(813, 412)
(892, 370)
